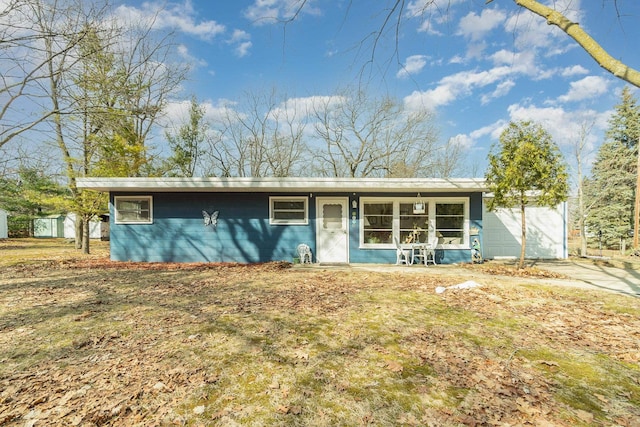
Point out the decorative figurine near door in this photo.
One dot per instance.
(476, 255)
(211, 220)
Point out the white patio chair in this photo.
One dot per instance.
(403, 256)
(430, 251)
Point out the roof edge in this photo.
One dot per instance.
(288, 184)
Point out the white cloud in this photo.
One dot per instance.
(475, 26)
(177, 112)
(431, 13)
(454, 86)
(413, 65)
(492, 131)
(532, 32)
(564, 125)
(184, 53)
(301, 107)
(172, 15)
(456, 59)
(520, 62)
(588, 87)
(263, 12)
(242, 42)
(463, 141)
(573, 71)
(501, 90)
(242, 49)
(476, 50)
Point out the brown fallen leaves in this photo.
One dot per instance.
(498, 269)
(93, 343)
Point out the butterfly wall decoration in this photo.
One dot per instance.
(210, 219)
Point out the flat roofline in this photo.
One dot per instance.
(289, 184)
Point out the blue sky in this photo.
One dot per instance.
(477, 66)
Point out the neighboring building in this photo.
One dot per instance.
(546, 230)
(49, 226)
(342, 220)
(98, 227)
(4, 227)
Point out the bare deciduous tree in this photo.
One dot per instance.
(581, 150)
(262, 137)
(366, 137)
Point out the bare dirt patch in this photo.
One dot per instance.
(85, 341)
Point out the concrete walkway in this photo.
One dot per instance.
(589, 275)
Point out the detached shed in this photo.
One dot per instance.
(49, 226)
(4, 228)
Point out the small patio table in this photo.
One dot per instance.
(424, 252)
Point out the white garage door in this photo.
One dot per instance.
(546, 232)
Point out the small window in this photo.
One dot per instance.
(133, 210)
(288, 210)
(378, 223)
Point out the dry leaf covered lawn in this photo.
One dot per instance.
(84, 341)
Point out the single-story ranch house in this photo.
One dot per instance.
(246, 220)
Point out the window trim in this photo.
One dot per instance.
(431, 204)
(304, 221)
(117, 199)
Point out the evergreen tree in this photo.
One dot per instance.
(186, 142)
(526, 166)
(612, 188)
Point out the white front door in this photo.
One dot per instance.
(332, 232)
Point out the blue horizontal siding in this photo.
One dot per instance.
(178, 234)
(243, 233)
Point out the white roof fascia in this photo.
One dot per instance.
(285, 185)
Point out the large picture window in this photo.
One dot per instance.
(288, 210)
(133, 209)
(444, 221)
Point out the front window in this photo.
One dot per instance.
(288, 210)
(450, 223)
(440, 220)
(133, 209)
(414, 227)
(378, 223)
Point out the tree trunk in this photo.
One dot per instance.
(86, 234)
(524, 236)
(78, 226)
(583, 238)
(636, 209)
(581, 211)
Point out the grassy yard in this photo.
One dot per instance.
(84, 341)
